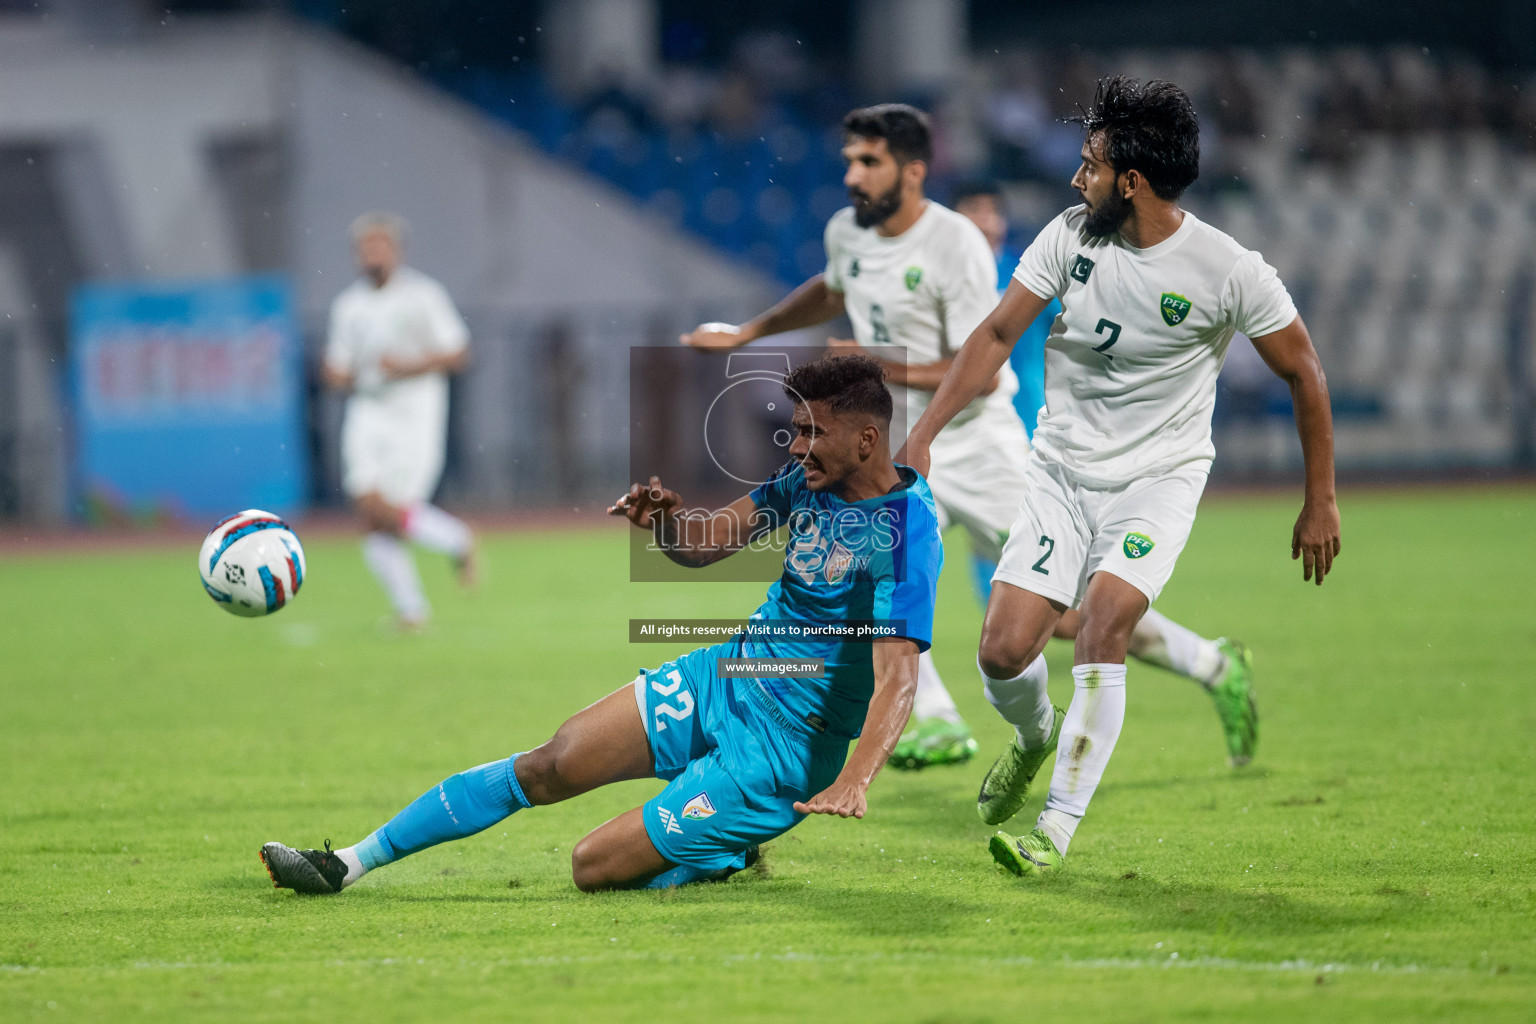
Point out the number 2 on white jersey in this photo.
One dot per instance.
(685, 699)
(1114, 336)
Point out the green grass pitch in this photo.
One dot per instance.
(1375, 863)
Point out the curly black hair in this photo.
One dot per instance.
(1148, 127)
(847, 383)
(904, 129)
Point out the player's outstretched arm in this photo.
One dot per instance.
(922, 376)
(811, 304)
(974, 368)
(691, 537)
(1315, 539)
(895, 664)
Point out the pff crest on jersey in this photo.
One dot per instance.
(1174, 308)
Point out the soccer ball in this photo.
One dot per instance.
(251, 563)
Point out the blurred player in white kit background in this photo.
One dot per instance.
(394, 338)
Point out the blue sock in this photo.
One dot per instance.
(459, 806)
(981, 577)
(680, 875)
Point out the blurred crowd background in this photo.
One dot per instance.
(590, 175)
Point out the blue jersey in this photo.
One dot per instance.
(846, 563)
(1028, 358)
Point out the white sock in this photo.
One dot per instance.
(355, 869)
(435, 529)
(392, 564)
(1160, 641)
(1088, 737)
(932, 699)
(1024, 703)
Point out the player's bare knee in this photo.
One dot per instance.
(1002, 658)
(588, 869)
(581, 866)
(538, 774)
(1003, 654)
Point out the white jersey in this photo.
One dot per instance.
(924, 290)
(410, 317)
(1131, 363)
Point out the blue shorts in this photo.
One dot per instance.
(734, 761)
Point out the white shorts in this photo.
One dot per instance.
(1067, 531)
(977, 475)
(400, 458)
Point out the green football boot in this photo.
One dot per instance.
(1233, 694)
(1007, 783)
(933, 741)
(1032, 854)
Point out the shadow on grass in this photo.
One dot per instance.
(933, 816)
(880, 905)
(901, 909)
(1155, 903)
(892, 907)
(935, 802)
(1235, 778)
(828, 908)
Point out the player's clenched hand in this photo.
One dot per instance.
(642, 502)
(844, 799)
(1316, 539)
(715, 337)
(842, 343)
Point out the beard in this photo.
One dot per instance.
(1106, 217)
(868, 213)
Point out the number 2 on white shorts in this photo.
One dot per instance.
(1039, 565)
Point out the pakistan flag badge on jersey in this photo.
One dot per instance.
(914, 276)
(1175, 308)
(1137, 545)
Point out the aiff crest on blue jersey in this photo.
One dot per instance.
(875, 561)
(830, 543)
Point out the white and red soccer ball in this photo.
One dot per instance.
(251, 563)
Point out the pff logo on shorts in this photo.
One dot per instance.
(1137, 544)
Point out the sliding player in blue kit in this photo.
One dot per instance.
(745, 759)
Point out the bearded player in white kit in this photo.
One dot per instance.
(1151, 297)
(915, 275)
(395, 336)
